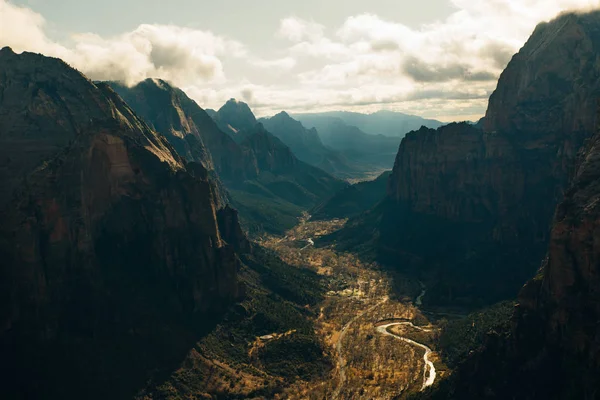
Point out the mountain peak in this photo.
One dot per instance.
(6, 50)
(160, 83)
(282, 114)
(236, 115)
(514, 107)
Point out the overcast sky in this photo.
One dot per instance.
(435, 58)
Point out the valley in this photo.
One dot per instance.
(160, 242)
(380, 344)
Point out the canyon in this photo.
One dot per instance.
(152, 249)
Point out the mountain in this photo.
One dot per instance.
(307, 146)
(376, 152)
(109, 240)
(262, 177)
(121, 277)
(235, 116)
(551, 349)
(470, 209)
(353, 200)
(383, 122)
(285, 188)
(193, 134)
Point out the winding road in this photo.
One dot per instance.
(429, 373)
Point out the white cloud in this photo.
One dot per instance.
(469, 49)
(297, 30)
(178, 54)
(285, 63)
(22, 29)
(441, 69)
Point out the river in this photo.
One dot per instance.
(429, 373)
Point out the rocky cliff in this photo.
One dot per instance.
(473, 207)
(190, 130)
(235, 116)
(551, 350)
(112, 256)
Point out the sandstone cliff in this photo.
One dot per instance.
(112, 257)
(551, 350)
(266, 182)
(473, 207)
(190, 130)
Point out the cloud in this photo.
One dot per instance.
(384, 45)
(21, 29)
(297, 30)
(178, 54)
(423, 72)
(469, 48)
(285, 63)
(445, 68)
(247, 95)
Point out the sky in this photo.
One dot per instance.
(434, 58)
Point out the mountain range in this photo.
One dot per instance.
(307, 145)
(474, 210)
(262, 176)
(376, 151)
(128, 268)
(383, 122)
(120, 265)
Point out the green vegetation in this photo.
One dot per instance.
(278, 300)
(259, 213)
(294, 356)
(459, 337)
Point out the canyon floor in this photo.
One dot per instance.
(381, 345)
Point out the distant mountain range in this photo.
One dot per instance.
(263, 178)
(374, 151)
(386, 123)
(307, 146)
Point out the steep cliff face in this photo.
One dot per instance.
(552, 350)
(262, 176)
(466, 203)
(548, 91)
(190, 130)
(272, 155)
(234, 117)
(112, 257)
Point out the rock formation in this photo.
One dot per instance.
(551, 351)
(268, 184)
(471, 208)
(190, 130)
(112, 258)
